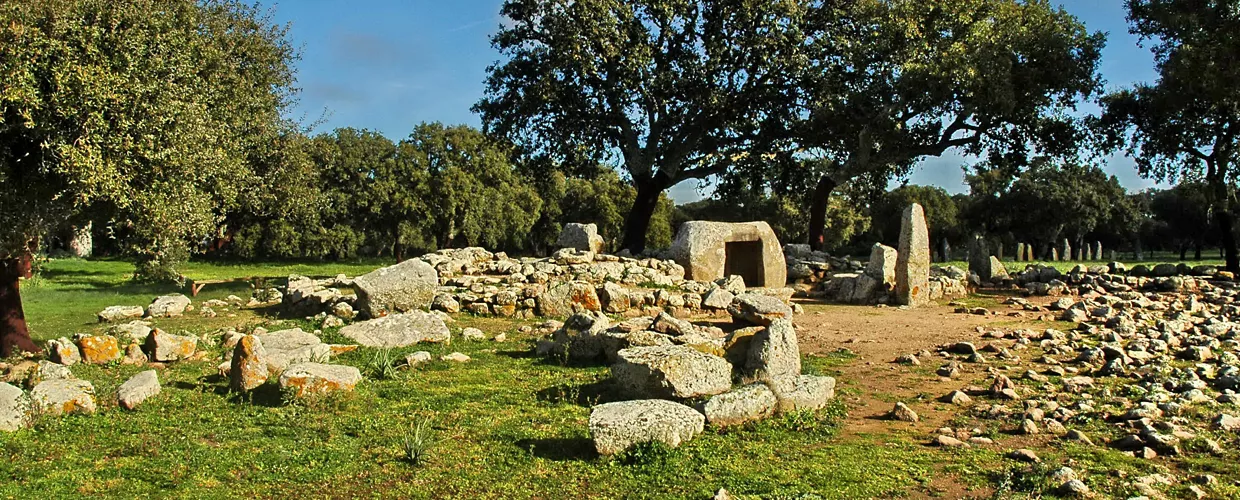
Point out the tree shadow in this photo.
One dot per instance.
(559, 449)
(585, 395)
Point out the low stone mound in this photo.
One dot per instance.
(307, 379)
(671, 372)
(399, 330)
(616, 427)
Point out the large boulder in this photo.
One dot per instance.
(616, 427)
(774, 352)
(99, 349)
(14, 408)
(803, 392)
(317, 378)
(164, 347)
(112, 314)
(248, 368)
(168, 306)
(913, 259)
(743, 404)
(580, 237)
(882, 264)
(407, 286)
(713, 250)
(399, 330)
(615, 298)
(758, 309)
(63, 396)
(563, 299)
(290, 347)
(671, 372)
(137, 389)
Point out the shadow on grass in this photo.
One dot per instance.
(586, 395)
(559, 449)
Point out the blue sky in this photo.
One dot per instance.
(388, 65)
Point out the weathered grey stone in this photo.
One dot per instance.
(774, 353)
(1065, 250)
(403, 287)
(417, 358)
(758, 309)
(703, 247)
(614, 298)
(445, 303)
(164, 347)
(616, 427)
(399, 330)
(472, 335)
(112, 314)
(316, 378)
(63, 396)
(168, 306)
(290, 347)
(913, 260)
(882, 264)
(989, 270)
(718, 298)
(903, 413)
(133, 331)
(14, 408)
(248, 368)
(49, 370)
(581, 337)
(580, 237)
(673, 372)
(63, 351)
(456, 357)
(137, 389)
(566, 298)
(740, 405)
(802, 392)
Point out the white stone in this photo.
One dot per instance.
(616, 427)
(137, 389)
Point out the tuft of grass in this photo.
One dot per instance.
(418, 442)
(382, 365)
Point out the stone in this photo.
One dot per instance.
(903, 413)
(99, 349)
(63, 351)
(472, 334)
(47, 370)
(14, 408)
(949, 442)
(1065, 250)
(957, 398)
(913, 259)
(758, 309)
(580, 237)
(1225, 422)
(63, 396)
(138, 389)
(1074, 488)
(317, 378)
(802, 393)
(248, 368)
(774, 352)
(446, 303)
(615, 427)
(671, 372)
(289, 347)
(1024, 455)
(882, 264)
(168, 306)
(417, 358)
(112, 314)
(407, 286)
(343, 310)
(740, 405)
(566, 298)
(718, 298)
(133, 331)
(614, 298)
(164, 347)
(399, 330)
(456, 357)
(134, 355)
(713, 250)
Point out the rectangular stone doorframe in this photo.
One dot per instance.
(744, 259)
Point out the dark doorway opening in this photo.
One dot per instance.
(744, 259)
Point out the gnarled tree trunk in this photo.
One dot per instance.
(14, 337)
(1226, 222)
(818, 203)
(637, 224)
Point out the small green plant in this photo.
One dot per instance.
(650, 454)
(419, 441)
(382, 365)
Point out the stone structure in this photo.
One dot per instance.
(1020, 253)
(403, 287)
(1066, 251)
(913, 259)
(580, 237)
(713, 250)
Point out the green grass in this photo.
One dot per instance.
(1065, 266)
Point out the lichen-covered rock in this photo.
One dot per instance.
(317, 378)
(164, 347)
(718, 298)
(615, 298)
(63, 396)
(99, 349)
(112, 314)
(63, 351)
(133, 331)
(168, 306)
(803, 392)
(913, 259)
(403, 287)
(399, 330)
(774, 352)
(137, 389)
(289, 347)
(758, 309)
(673, 372)
(14, 408)
(563, 299)
(616, 427)
(740, 405)
(582, 337)
(48, 370)
(248, 368)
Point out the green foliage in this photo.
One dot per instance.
(382, 365)
(418, 441)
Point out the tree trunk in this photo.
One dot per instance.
(14, 337)
(638, 222)
(818, 211)
(1183, 251)
(1197, 252)
(1225, 223)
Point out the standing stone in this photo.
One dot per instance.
(82, 245)
(249, 364)
(1066, 251)
(1098, 250)
(1054, 255)
(913, 260)
(999, 249)
(580, 237)
(137, 389)
(882, 265)
(1020, 252)
(774, 352)
(1028, 252)
(14, 406)
(403, 287)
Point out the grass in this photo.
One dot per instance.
(1065, 266)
